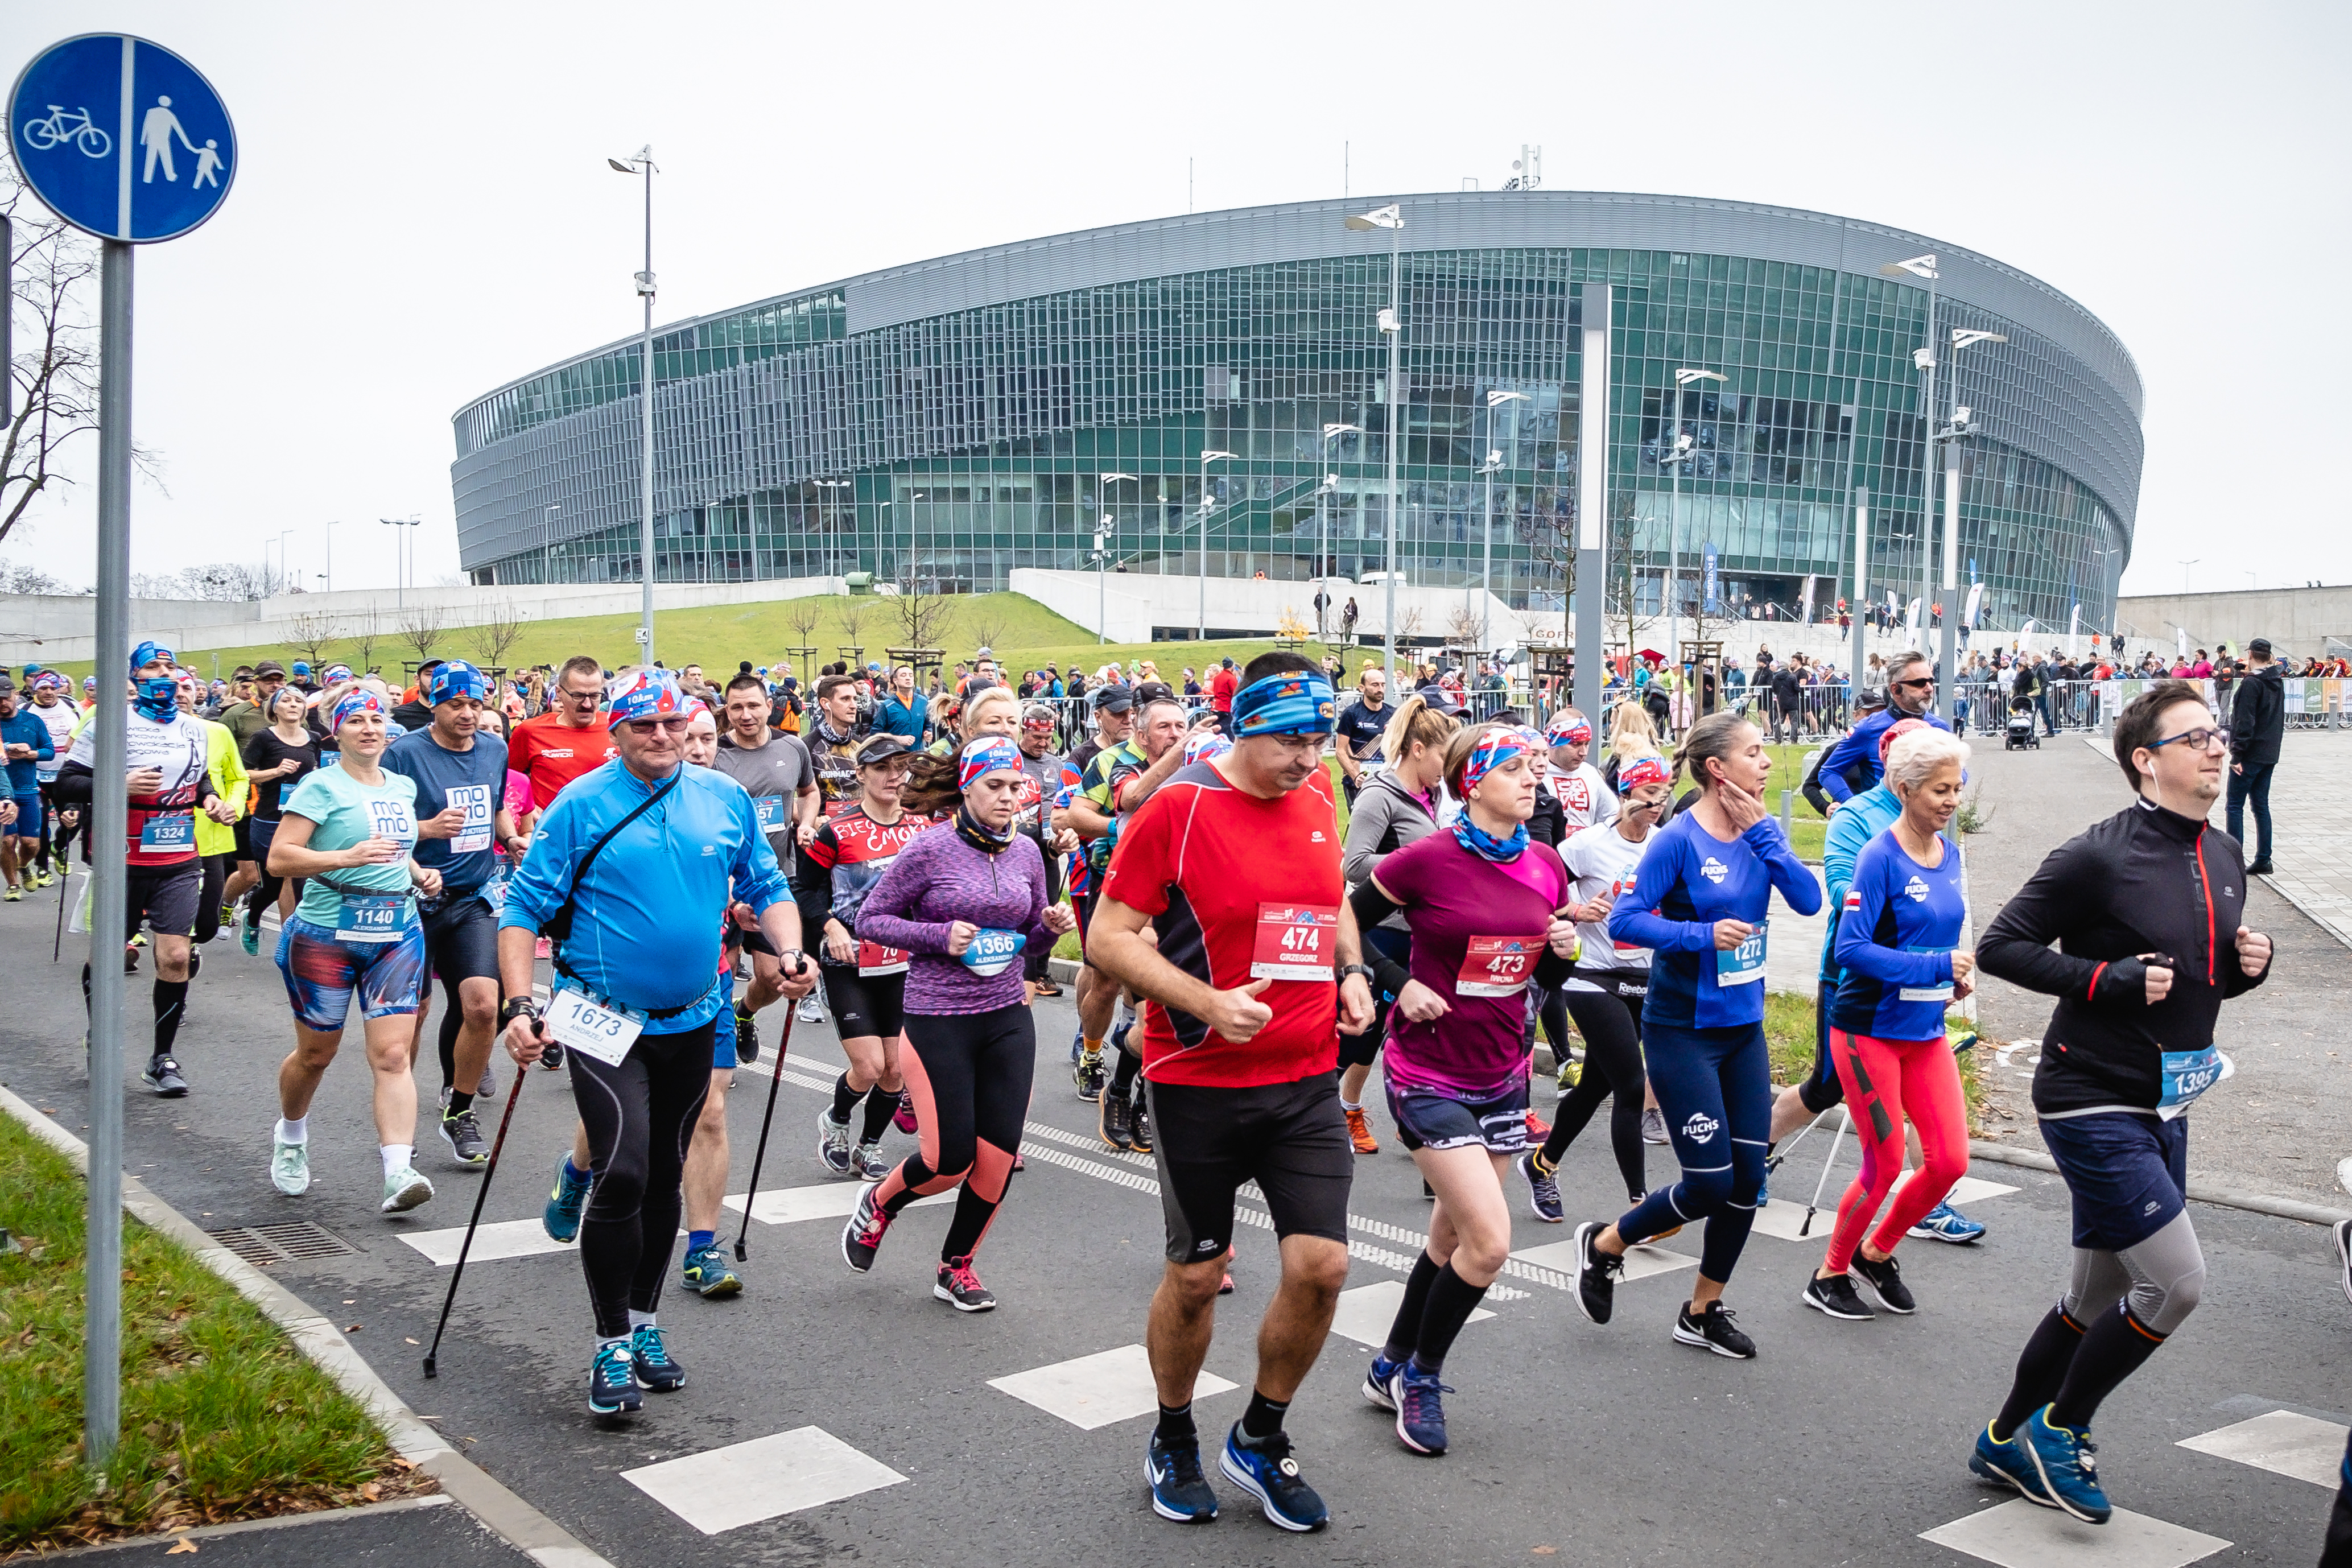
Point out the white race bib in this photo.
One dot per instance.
(475, 800)
(603, 1032)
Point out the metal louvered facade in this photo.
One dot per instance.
(950, 420)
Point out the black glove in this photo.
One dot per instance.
(2126, 979)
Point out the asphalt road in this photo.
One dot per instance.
(1841, 1444)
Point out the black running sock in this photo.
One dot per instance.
(2114, 1346)
(460, 1102)
(171, 1004)
(2040, 1371)
(843, 1098)
(1176, 1425)
(1262, 1419)
(1405, 1331)
(1122, 1076)
(881, 1105)
(972, 1213)
(1452, 1300)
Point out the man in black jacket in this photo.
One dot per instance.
(2257, 722)
(2145, 909)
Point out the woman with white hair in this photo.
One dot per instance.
(1896, 938)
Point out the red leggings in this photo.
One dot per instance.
(1886, 1080)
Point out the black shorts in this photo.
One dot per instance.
(461, 938)
(243, 839)
(1823, 1089)
(1288, 1138)
(164, 898)
(1085, 906)
(864, 1003)
(1435, 1119)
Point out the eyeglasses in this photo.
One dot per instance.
(2201, 738)
(672, 726)
(572, 696)
(1927, 680)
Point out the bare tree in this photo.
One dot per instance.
(309, 634)
(226, 582)
(804, 616)
(988, 622)
(1467, 629)
(851, 615)
(924, 620)
(1550, 538)
(15, 579)
(496, 632)
(422, 628)
(367, 630)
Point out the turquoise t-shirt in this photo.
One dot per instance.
(348, 812)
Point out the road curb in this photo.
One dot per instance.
(505, 1514)
(2199, 1192)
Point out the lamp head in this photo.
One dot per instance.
(1390, 217)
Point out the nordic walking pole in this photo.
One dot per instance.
(432, 1357)
(775, 1077)
(1781, 1158)
(64, 892)
(1845, 1120)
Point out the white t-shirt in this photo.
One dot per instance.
(61, 717)
(1601, 861)
(1584, 797)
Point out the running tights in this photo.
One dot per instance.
(2118, 1308)
(1886, 1080)
(1714, 1089)
(970, 1075)
(640, 1117)
(1611, 1027)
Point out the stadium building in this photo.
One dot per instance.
(946, 422)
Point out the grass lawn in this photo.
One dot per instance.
(222, 1417)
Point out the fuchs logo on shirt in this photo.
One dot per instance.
(1713, 869)
(1700, 1128)
(1915, 891)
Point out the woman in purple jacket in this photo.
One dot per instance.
(965, 897)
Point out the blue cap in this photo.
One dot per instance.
(455, 677)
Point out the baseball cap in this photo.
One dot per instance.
(269, 669)
(880, 747)
(1154, 692)
(2259, 647)
(1110, 698)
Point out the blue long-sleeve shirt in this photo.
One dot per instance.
(1901, 921)
(1859, 750)
(645, 927)
(1689, 879)
(24, 727)
(1852, 825)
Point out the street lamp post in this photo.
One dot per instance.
(1102, 564)
(643, 161)
(1960, 426)
(1392, 323)
(1325, 496)
(1679, 448)
(330, 558)
(1496, 398)
(1924, 357)
(1201, 632)
(2185, 565)
(399, 543)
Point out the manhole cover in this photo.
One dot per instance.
(266, 1243)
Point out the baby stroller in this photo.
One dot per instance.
(2021, 736)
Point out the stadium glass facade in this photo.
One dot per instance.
(946, 423)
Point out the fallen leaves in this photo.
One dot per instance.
(183, 1545)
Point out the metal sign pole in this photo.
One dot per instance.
(1593, 500)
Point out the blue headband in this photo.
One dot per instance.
(147, 653)
(653, 694)
(354, 703)
(456, 679)
(1295, 703)
(1498, 745)
(986, 754)
(336, 672)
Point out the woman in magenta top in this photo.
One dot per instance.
(1486, 906)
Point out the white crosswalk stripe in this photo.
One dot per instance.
(743, 1483)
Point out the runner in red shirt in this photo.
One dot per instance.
(1222, 684)
(569, 741)
(1235, 863)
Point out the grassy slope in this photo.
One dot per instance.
(222, 1417)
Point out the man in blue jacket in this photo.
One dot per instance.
(1910, 694)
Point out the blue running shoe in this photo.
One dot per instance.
(1420, 1412)
(1376, 1381)
(612, 1381)
(2004, 1462)
(1179, 1490)
(1264, 1466)
(2062, 1458)
(1945, 1222)
(707, 1276)
(565, 1204)
(649, 1357)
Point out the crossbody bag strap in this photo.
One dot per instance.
(560, 924)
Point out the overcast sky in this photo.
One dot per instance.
(423, 211)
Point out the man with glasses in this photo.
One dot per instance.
(568, 741)
(1853, 764)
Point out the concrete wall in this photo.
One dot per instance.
(2298, 621)
(58, 629)
(1138, 602)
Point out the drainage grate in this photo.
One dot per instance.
(266, 1244)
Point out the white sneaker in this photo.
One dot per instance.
(290, 1167)
(404, 1190)
(812, 1010)
(1654, 1126)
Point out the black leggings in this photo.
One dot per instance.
(1611, 1027)
(265, 893)
(970, 1075)
(640, 1119)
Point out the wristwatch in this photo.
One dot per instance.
(515, 1007)
(791, 959)
(1363, 969)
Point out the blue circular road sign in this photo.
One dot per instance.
(121, 137)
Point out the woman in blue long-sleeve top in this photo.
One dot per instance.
(1699, 903)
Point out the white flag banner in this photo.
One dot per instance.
(1975, 602)
(1806, 614)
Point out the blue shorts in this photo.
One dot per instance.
(1440, 1119)
(28, 816)
(722, 1045)
(2128, 1175)
(323, 974)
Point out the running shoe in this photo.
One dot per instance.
(1886, 1284)
(1086, 1072)
(1835, 1297)
(1571, 1073)
(1264, 1466)
(1537, 1129)
(1654, 1125)
(1420, 1408)
(489, 1088)
(551, 1059)
(196, 962)
(1047, 988)
(650, 1358)
(747, 1037)
(2004, 1462)
(2344, 1256)
(228, 914)
(290, 1167)
(1114, 1120)
(832, 1142)
(1596, 1273)
(1179, 1490)
(162, 1076)
(960, 1287)
(130, 958)
(2062, 1458)
(707, 1276)
(1945, 1222)
(403, 1190)
(812, 1011)
(1543, 1190)
(870, 1164)
(15, 895)
(903, 1119)
(1360, 1132)
(861, 1238)
(463, 1133)
(565, 1204)
(1377, 1378)
(612, 1381)
(1714, 1330)
(1139, 1124)
(249, 938)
